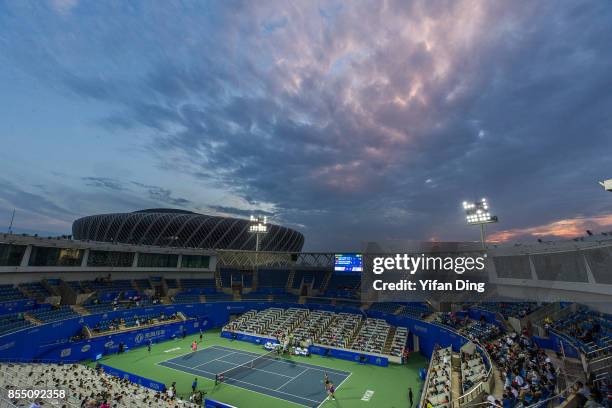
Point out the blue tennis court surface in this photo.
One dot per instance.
(282, 378)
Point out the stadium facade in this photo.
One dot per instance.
(183, 229)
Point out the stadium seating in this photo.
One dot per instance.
(136, 320)
(13, 322)
(372, 336)
(229, 275)
(313, 325)
(184, 298)
(61, 313)
(591, 331)
(473, 370)
(255, 296)
(35, 290)
(286, 297)
(10, 292)
(218, 297)
(84, 386)
(340, 285)
(273, 280)
(307, 276)
(172, 283)
(398, 344)
(341, 330)
(438, 381)
(198, 285)
(509, 309)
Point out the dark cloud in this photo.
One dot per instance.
(163, 195)
(104, 183)
(233, 211)
(365, 121)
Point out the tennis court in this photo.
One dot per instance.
(277, 377)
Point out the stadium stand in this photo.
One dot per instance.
(437, 391)
(307, 277)
(198, 285)
(343, 285)
(60, 313)
(372, 336)
(509, 309)
(473, 370)
(133, 321)
(13, 322)
(35, 290)
(526, 362)
(591, 331)
(184, 298)
(83, 386)
(10, 292)
(341, 331)
(272, 280)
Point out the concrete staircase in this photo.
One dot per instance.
(218, 283)
(356, 332)
(325, 282)
(290, 279)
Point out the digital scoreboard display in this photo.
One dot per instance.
(348, 263)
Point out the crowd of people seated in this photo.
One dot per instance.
(473, 370)
(438, 381)
(480, 330)
(341, 330)
(593, 395)
(453, 320)
(591, 330)
(313, 325)
(372, 336)
(85, 386)
(143, 320)
(398, 344)
(121, 302)
(302, 327)
(475, 330)
(528, 373)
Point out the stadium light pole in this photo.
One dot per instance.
(259, 227)
(478, 213)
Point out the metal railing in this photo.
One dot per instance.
(483, 385)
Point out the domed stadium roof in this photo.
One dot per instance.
(180, 228)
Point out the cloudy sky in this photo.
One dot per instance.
(349, 120)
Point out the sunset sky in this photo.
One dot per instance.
(348, 120)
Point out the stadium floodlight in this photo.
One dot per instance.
(259, 227)
(479, 213)
(607, 185)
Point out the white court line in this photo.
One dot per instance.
(216, 359)
(190, 352)
(311, 366)
(338, 387)
(288, 381)
(245, 389)
(257, 369)
(246, 382)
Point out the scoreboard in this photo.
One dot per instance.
(349, 263)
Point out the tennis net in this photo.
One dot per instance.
(258, 361)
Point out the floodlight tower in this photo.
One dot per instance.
(259, 227)
(478, 213)
(607, 185)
